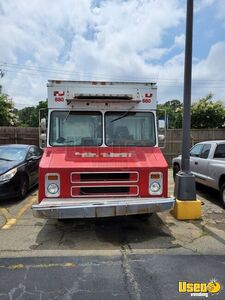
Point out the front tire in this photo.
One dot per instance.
(24, 187)
(222, 195)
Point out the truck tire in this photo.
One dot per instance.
(222, 194)
(176, 169)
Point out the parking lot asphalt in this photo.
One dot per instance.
(22, 234)
(115, 277)
(127, 258)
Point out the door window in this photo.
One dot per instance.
(37, 151)
(196, 150)
(30, 152)
(205, 151)
(33, 151)
(220, 151)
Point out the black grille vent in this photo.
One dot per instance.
(105, 177)
(104, 190)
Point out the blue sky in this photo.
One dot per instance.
(208, 30)
(140, 40)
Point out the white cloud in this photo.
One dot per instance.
(128, 32)
(201, 4)
(213, 66)
(221, 10)
(115, 40)
(208, 75)
(179, 40)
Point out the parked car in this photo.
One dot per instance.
(18, 169)
(207, 163)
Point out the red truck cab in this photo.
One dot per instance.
(102, 157)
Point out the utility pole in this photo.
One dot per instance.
(185, 182)
(2, 73)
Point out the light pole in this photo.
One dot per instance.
(185, 182)
(2, 73)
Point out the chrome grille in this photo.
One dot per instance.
(101, 184)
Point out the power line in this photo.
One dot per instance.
(159, 82)
(35, 71)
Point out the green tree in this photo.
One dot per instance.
(207, 114)
(8, 116)
(174, 110)
(29, 116)
(25, 116)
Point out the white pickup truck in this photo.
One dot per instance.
(207, 163)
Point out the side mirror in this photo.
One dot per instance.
(161, 124)
(43, 137)
(162, 133)
(43, 124)
(161, 137)
(43, 140)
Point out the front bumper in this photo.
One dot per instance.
(97, 208)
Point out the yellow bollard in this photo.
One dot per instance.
(187, 209)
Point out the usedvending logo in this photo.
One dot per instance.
(200, 289)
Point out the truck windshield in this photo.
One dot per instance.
(130, 129)
(75, 128)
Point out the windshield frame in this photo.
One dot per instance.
(103, 128)
(68, 112)
(130, 112)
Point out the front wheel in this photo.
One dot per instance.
(222, 194)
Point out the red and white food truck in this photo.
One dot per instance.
(102, 157)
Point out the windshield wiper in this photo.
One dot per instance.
(5, 159)
(65, 120)
(123, 115)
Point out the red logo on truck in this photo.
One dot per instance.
(59, 93)
(59, 96)
(59, 99)
(147, 98)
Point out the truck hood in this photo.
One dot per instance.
(88, 158)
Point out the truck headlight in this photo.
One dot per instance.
(156, 183)
(8, 175)
(53, 188)
(52, 185)
(155, 187)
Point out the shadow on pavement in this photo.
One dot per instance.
(208, 194)
(104, 233)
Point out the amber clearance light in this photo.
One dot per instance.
(155, 176)
(52, 177)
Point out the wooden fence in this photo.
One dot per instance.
(19, 135)
(173, 143)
